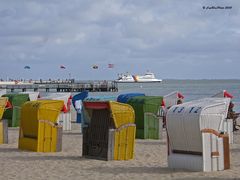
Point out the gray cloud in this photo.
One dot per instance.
(174, 39)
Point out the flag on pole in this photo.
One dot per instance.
(110, 65)
(95, 67)
(27, 67)
(62, 67)
(180, 95)
(227, 94)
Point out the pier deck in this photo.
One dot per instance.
(92, 86)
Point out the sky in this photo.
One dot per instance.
(175, 39)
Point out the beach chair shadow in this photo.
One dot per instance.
(150, 143)
(72, 133)
(47, 157)
(7, 150)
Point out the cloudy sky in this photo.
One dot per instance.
(177, 39)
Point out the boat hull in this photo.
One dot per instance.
(159, 81)
(147, 78)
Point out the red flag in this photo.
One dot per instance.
(8, 105)
(163, 103)
(227, 94)
(110, 65)
(180, 96)
(62, 67)
(64, 109)
(16, 81)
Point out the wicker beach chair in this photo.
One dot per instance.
(77, 104)
(33, 96)
(231, 122)
(147, 110)
(39, 130)
(13, 114)
(2, 92)
(123, 98)
(110, 132)
(197, 139)
(65, 116)
(3, 122)
(169, 100)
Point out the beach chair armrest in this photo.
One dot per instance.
(215, 145)
(151, 114)
(50, 123)
(124, 126)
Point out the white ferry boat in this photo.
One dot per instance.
(147, 77)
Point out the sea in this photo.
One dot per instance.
(190, 89)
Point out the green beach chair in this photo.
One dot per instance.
(13, 114)
(147, 118)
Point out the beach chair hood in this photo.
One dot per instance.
(185, 122)
(172, 98)
(223, 94)
(120, 113)
(123, 98)
(33, 96)
(79, 97)
(66, 97)
(3, 104)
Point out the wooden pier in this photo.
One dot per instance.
(91, 86)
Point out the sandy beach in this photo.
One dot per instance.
(150, 162)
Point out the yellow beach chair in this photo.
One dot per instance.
(39, 130)
(3, 103)
(3, 122)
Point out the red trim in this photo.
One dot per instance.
(96, 105)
